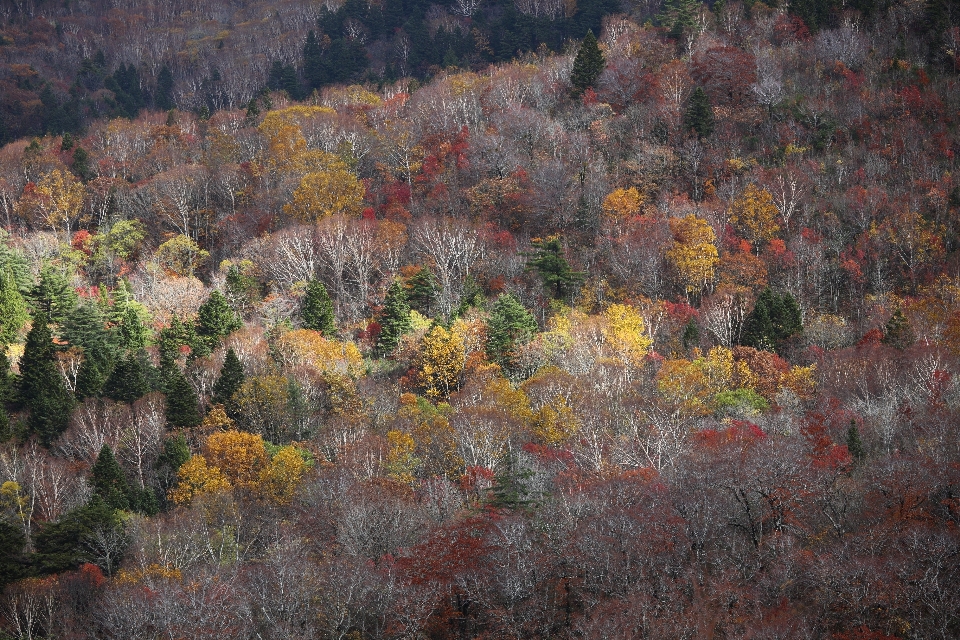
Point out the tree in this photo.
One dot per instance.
(440, 362)
(755, 215)
(230, 380)
(54, 295)
(129, 379)
(854, 443)
(694, 253)
(587, 66)
(321, 194)
(699, 115)
(42, 388)
(510, 325)
(13, 308)
(774, 319)
(183, 406)
(548, 261)
(13, 561)
(216, 320)
(69, 542)
(394, 319)
(897, 331)
(317, 310)
(108, 480)
(421, 290)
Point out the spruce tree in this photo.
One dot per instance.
(129, 380)
(84, 328)
(587, 66)
(394, 319)
(216, 320)
(317, 311)
(183, 406)
(65, 544)
(108, 480)
(774, 320)
(13, 560)
(13, 308)
(54, 295)
(897, 332)
(421, 289)
(42, 389)
(230, 380)
(510, 325)
(699, 115)
(854, 443)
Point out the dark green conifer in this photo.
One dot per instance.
(587, 66)
(317, 312)
(854, 443)
(230, 380)
(216, 320)
(421, 289)
(699, 115)
(394, 319)
(510, 325)
(183, 406)
(897, 332)
(130, 379)
(13, 560)
(13, 308)
(108, 480)
(54, 295)
(66, 544)
(42, 389)
(548, 261)
(774, 320)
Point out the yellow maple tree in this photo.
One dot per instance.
(195, 478)
(626, 333)
(694, 253)
(754, 215)
(440, 362)
(334, 190)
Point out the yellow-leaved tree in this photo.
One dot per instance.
(626, 333)
(281, 477)
(694, 253)
(440, 362)
(754, 215)
(196, 478)
(56, 201)
(329, 357)
(334, 190)
(620, 205)
(241, 457)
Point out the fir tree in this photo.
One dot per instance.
(129, 380)
(216, 320)
(230, 380)
(53, 295)
(510, 325)
(548, 261)
(173, 454)
(85, 328)
(394, 319)
(699, 115)
(13, 308)
(317, 311)
(774, 320)
(66, 544)
(509, 490)
(587, 66)
(421, 290)
(108, 480)
(183, 406)
(854, 443)
(897, 332)
(13, 560)
(42, 389)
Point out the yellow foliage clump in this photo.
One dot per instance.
(401, 462)
(196, 478)
(241, 457)
(755, 215)
(280, 479)
(329, 357)
(555, 422)
(694, 252)
(626, 333)
(622, 204)
(440, 362)
(801, 380)
(334, 190)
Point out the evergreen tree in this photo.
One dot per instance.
(173, 454)
(13, 308)
(587, 66)
(230, 380)
(130, 379)
(421, 289)
(774, 320)
(699, 115)
(854, 443)
(128, 333)
(216, 320)
(183, 406)
(42, 389)
(394, 319)
(509, 490)
(897, 332)
(172, 338)
(84, 328)
(66, 544)
(6, 395)
(54, 295)
(108, 480)
(510, 325)
(317, 311)
(163, 99)
(553, 268)
(13, 560)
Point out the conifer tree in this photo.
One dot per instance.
(13, 308)
(230, 380)
(317, 312)
(216, 320)
(699, 115)
(774, 320)
(421, 289)
(42, 389)
(53, 295)
(854, 443)
(897, 332)
(554, 270)
(587, 66)
(85, 328)
(183, 406)
(108, 480)
(6, 393)
(394, 319)
(65, 544)
(510, 325)
(13, 561)
(129, 380)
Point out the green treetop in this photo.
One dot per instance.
(587, 66)
(13, 308)
(699, 115)
(394, 319)
(230, 380)
(554, 270)
(42, 389)
(216, 320)
(108, 480)
(510, 325)
(317, 311)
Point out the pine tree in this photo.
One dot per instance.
(317, 311)
(13, 560)
(897, 332)
(54, 295)
(13, 308)
(421, 289)
(230, 380)
(183, 406)
(510, 325)
(394, 319)
(216, 320)
(554, 270)
(699, 115)
(587, 66)
(42, 389)
(774, 320)
(108, 480)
